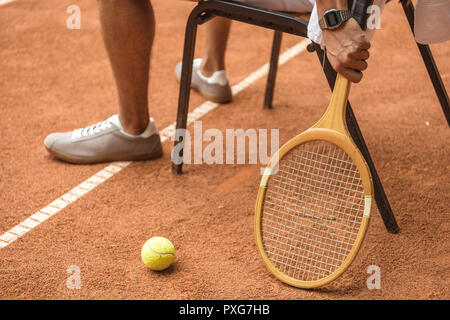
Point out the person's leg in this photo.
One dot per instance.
(217, 32)
(128, 30)
(208, 73)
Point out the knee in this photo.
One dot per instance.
(118, 2)
(102, 2)
(107, 3)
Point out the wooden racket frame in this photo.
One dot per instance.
(332, 128)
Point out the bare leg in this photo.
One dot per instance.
(217, 31)
(128, 29)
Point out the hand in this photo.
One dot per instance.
(347, 49)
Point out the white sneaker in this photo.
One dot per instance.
(105, 141)
(215, 88)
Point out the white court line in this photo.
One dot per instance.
(2, 2)
(56, 206)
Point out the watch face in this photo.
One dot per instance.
(331, 18)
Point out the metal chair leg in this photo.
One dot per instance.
(270, 86)
(204, 11)
(184, 95)
(380, 196)
(428, 59)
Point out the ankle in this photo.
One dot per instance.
(134, 127)
(208, 68)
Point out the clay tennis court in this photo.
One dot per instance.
(55, 79)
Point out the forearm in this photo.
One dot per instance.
(324, 5)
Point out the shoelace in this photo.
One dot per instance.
(91, 130)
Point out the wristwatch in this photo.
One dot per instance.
(333, 18)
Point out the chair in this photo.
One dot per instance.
(283, 22)
(425, 52)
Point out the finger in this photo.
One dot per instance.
(360, 55)
(346, 61)
(362, 43)
(352, 75)
(359, 65)
(348, 72)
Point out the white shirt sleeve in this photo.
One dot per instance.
(432, 21)
(314, 31)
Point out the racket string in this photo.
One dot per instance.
(314, 247)
(341, 204)
(336, 251)
(313, 210)
(311, 228)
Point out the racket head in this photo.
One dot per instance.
(308, 234)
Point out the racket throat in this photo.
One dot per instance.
(334, 117)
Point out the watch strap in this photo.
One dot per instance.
(344, 15)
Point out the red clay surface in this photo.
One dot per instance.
(52, 78)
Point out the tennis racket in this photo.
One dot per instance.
(314, 201)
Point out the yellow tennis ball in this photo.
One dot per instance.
(158, 253)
